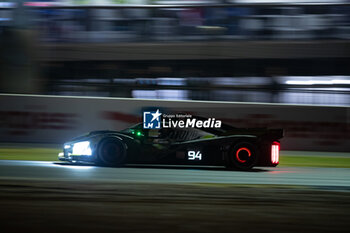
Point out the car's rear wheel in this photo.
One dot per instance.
(242, 156)
(111, 152)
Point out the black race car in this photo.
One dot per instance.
(234, 148)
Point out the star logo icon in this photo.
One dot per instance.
(151, 119)
(156, 115)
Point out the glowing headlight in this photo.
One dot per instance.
(66, 146)
(82, 148)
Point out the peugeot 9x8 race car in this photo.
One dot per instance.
(234, 148)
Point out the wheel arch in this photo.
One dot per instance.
(116, 139)
(249, 142)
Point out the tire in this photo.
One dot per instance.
(111, 152)
(242, 156)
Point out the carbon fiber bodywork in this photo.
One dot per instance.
(175, 146)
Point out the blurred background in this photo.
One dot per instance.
(288, 52)
(275, 51)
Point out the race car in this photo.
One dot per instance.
(234, 148)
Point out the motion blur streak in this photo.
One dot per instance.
(233, 57)
(199, 50)
(335, 177)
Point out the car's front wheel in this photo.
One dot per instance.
(111, 152)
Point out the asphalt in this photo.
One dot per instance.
(36, 170)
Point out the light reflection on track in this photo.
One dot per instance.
(175, 174)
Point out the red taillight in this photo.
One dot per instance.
(275, 152)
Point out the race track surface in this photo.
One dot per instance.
(53, 197)
(34, 170)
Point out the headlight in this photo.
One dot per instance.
(82, 148)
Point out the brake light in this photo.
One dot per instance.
(275, 152)
(238, 153)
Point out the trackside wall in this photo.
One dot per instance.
(49, 119)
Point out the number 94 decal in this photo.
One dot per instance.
(194, 155)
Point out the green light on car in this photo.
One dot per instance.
(137, 133)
